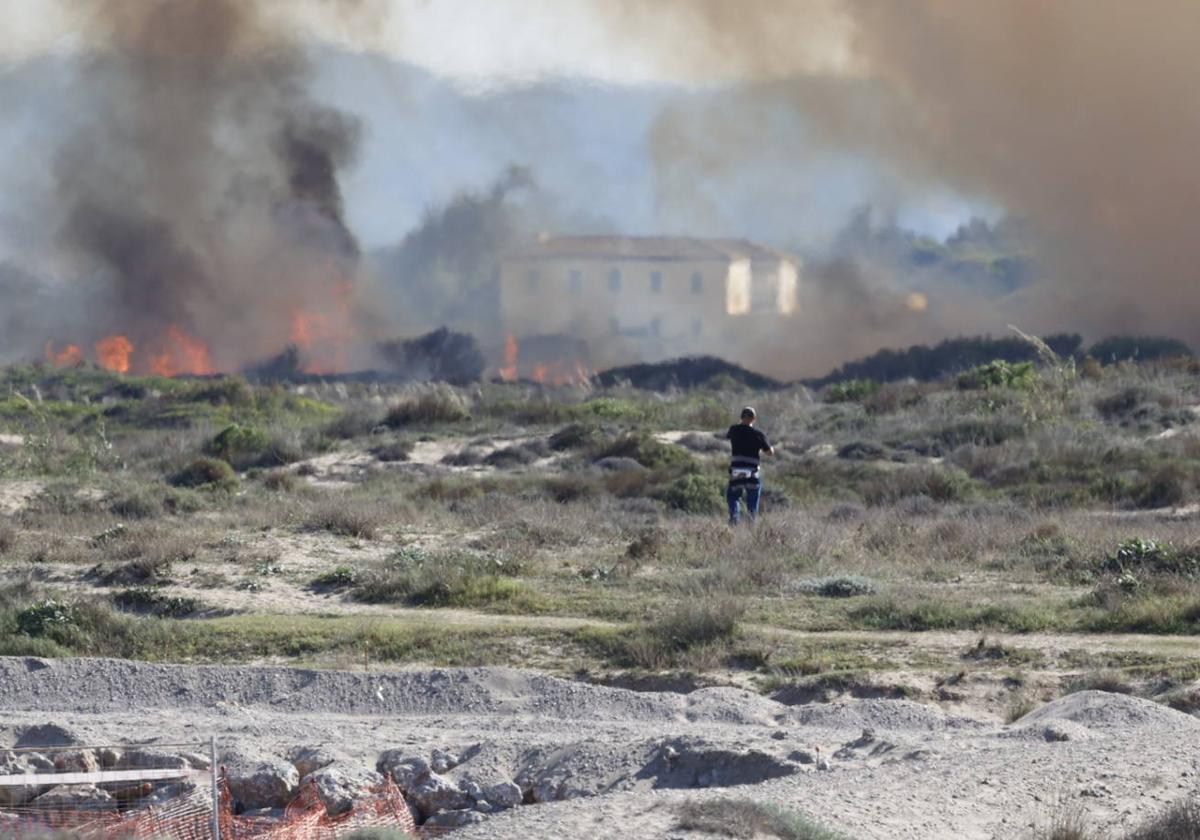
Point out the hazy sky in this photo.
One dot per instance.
(453, 91)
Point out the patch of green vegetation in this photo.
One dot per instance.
(851, 390)
(446, 579)
(206, 474)
(888, 613)
(150, 601)
(646, 450)
(999, 374)
(745, 818)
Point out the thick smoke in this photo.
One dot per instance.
(1073, 115)
(200, 192)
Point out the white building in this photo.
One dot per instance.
(645, 297)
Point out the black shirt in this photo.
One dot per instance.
(746, 442)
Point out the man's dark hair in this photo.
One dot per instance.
(748, 413)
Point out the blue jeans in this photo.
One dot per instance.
(734, 496)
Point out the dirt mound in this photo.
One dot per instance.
(118, 685)
(1104, 710)
(884, 715)
(688, 372)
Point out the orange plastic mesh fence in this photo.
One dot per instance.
(306, 818)
(189, 817)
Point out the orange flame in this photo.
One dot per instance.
(559, 374)
(509, 372)
(180, 353)
(69, 355)
(113, 353)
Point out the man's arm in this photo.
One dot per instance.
(766, 446)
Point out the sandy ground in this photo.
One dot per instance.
(897, 769)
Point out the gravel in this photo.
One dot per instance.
(609, 762)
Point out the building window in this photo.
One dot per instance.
(697, 326)
(614, 280)
(575, 281)
(656, 327)
(656, 282)
(533, 280)
(697, 283)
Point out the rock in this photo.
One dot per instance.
(197, 761)
(547, 790)
(340, 786)
(77, 798)
(434, 794)
(404, 768)
(164, 794)
(455, 819)
(778, 735)
(148, 759)
(12, 764)
(1064, 730)
(503, 795)
(802, 757)
(46, 735)
(443, 761)
(84, 761)
(109, 757)
(310, 759)
(260, 781)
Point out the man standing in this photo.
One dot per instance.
(747, 444)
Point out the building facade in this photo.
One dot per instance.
(645, 298)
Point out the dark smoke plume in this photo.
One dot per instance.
(1072, 115)
(200, 192)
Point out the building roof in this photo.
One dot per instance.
(647, 248)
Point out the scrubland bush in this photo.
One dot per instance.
(150, 601)
(206, 474)
(697, 494)
(346, 517)
(745, 818)
(440, 405)
(458, 579)
(999, 374)
(355, 421)
(679, 632)
(644, 449)
(852, 390)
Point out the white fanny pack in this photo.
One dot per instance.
(743, 472)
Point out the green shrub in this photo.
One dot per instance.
(46, 618)
(144, 599)
(1179, 822)
(206, 474)
(8, 539)
(693, 494)
(356, 421)
(1148, 556)
(142, 503)
(1165, 486)
(942, 484)
(841, 586)
(999, 374)
(743, 819)
(442, 405)
(576, 436)
(696, 621)
(852, 390)
(336, 578)
(646, 450)
(346, 517)
(393, 451)
(449, 579)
